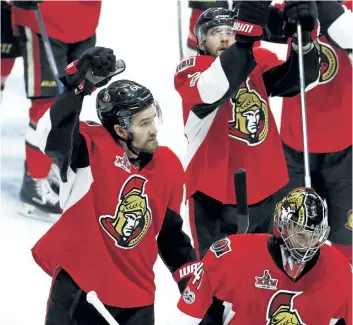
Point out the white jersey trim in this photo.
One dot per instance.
(213, 83)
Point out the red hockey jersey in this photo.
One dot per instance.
(240, 133)
(328, 105)
(68, 21)
(106, 238)
(240, 271)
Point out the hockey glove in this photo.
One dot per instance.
(251, 18)
(27, 5)
(304, 12)
(184, 273)
(93, 69)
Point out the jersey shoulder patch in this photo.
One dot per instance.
(221, 247)
(185, 64)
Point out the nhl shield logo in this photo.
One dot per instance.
(106, 97)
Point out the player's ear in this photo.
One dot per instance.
(121, 132)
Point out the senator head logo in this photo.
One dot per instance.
(249, 122)
(328, 62)
(281, 310)
(132, 217)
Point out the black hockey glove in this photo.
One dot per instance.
(328, 12)
(27, 5)
(250, 19)
(304, 12)
(275, 25)
(93, 69)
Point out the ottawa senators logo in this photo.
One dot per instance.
(280, 310)
(132, 217)
(328, 61)
(250, 117)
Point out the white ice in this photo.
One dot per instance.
(147, 39)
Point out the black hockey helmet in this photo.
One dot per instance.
(301, 221)
(210, 18)
(117, 104)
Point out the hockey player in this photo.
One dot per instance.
(68, 39)
(228, 121)
(292, 277)
(329, 123)
(9, 45)
(121, 196)
(199, 6)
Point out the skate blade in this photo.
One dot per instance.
(32, 212)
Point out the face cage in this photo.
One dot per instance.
(218, 30)
(315, 240)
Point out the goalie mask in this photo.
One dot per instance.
(301, 221)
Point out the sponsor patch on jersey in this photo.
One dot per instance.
(194, 77)
(221, 247)
(266, 281)
(281, 309)
(186, 63)
(188, 296)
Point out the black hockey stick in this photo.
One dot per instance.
(242, 201)
(180, 34)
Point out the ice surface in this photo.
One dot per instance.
(147, 39)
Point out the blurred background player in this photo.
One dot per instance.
(198, 7)
(291, 277)
(329, 123)
(10, 49)
(69, 38)
(121, 195)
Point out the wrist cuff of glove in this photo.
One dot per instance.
(247, 29)
(306, 48)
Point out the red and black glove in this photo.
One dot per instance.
(183, 274)
(304, 12)
(27, 5)
(250, 19)
(93, 69)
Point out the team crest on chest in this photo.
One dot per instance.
(249, 121)
(328, 62)
(281, 309)
(132, 217)
(266, 281)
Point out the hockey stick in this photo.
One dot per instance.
(93, 299)
(180, 33)
(242, 201)
(48, 50)
(307, 178)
